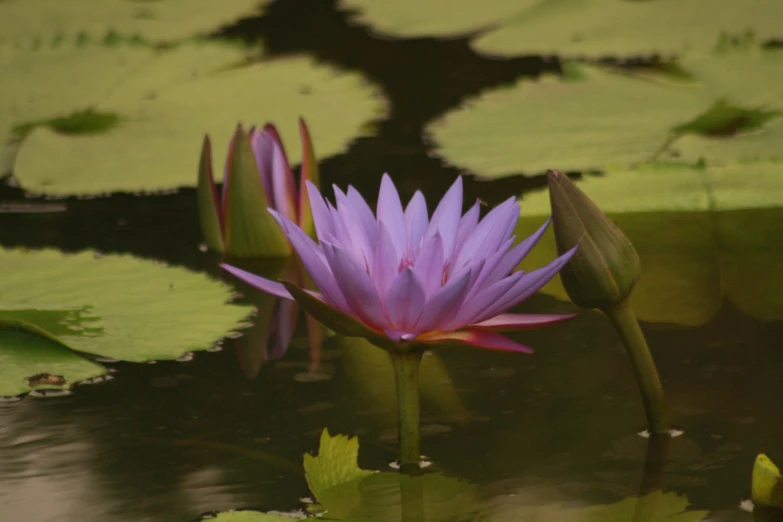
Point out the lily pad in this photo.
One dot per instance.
(346, 492)
(702, 235)
(624, 27)
(443, 18)
(159, 20)
(26, 358)
(593, 118)
(252, 516)
(116, 306)
(163, 102)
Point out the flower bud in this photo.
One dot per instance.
(606, 267)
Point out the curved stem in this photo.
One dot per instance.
(627, 327)
(406, 373)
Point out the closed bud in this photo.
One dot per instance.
(606, 266)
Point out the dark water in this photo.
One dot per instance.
(170, 441)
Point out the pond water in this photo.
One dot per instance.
(173, 440)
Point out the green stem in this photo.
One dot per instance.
(406, 373)
(627, 327)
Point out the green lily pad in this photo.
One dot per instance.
(160, 105)
(159, 20)
(624, 27)
(411, 18)
(116, 306)
(594, 118)
(252, 516)
(335, 464)
(25, 358)
(702, 235)
(346, 492)
(653, 507)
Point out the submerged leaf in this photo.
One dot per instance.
(116, 306)
(698, 234)
(25, 355)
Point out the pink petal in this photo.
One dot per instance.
(363, 247)
(478, 338)
(263, 284)
(522, 321)
(483, 299)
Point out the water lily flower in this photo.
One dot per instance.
(401, 278)
(257, 176)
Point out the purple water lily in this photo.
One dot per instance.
(399, 277)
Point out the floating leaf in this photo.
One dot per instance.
(155, 108)
(605, 119)
(252, 516)
(25, 356)
(623, 27)
(347, 492)
(155, 20)
(336, 463)
(116, 305)
(411, 18)
(697, 233)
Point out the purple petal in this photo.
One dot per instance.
(416, 219)
(387, 262)
(527, 285)
(443, 305)
(515, 256)
(446, 218)
(283, 183)
(489, 267)
(357, 287)
(263, 149)
(263, 284)
(480, 339)
(314, 262)
(390, 213)
(364, 244)
(321, 216)
(429, 264)
(467, 224)
(522, 321)
(364, 213)
(489, 233)
(405, 300)
(481, 301)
